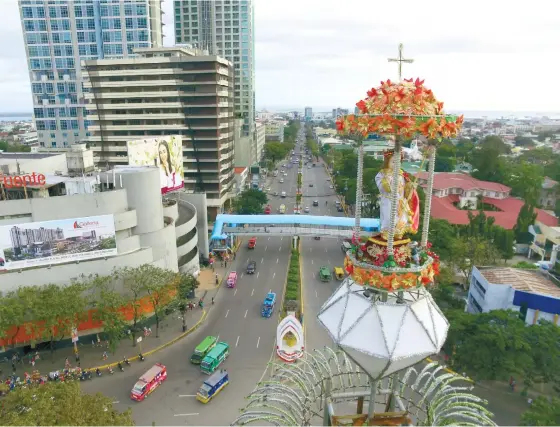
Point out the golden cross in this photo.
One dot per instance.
(400, 60)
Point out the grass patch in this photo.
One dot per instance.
(293, 281)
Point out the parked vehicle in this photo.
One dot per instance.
(203, 348)
(324, 274)
(306, 210)
(215, 357)
(212, 386)
(148, 382)
(268, 305)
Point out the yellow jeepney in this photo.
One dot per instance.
(339, 273)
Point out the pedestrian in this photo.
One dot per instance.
(222, 262)
(14, 366)
(77, 358)
(66, 363)
(37, 357)
(225, 263)
(33, 362)
(212, 300)
(105, 355)
(93, 343)
(217, 280)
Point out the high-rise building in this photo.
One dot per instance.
(308, 115)
(337, 112)
(58, 34)
(167, 91)
(224, 28)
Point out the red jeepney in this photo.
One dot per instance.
(232, 279)
(267, 210)
(252, 243)
(148, 382)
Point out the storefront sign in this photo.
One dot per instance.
(10, 181)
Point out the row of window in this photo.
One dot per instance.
(85, 24)
(50, 75)
(52, 125)
(41, 113)
(86, 36)
(116, 36)
(48, 88)
(130, 23)
(34, 25)
(81, 11)
(60, 25)
(46, 63)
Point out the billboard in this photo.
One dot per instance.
(54, 242)
(165, 152)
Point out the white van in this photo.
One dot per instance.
(283, 194)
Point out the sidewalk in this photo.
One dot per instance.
(91, 354)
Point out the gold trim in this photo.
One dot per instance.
(384, 243)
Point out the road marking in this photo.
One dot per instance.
(316, 294)
(280, 248)
(258, 341)
(246, 311)
(311, 261)
(269, 238)
(277, 260)
(258, 272)
(227, 312)
(116, 401)
(187, 395)
(235, 292)
(252, 292)
(329, 261)
(242, 274)
(310, 248)
(262, 259)
(265, 248)
(313, 275)
(325, 249)
(237, 342)
(281, 238)
(273, 275)
(185, 415)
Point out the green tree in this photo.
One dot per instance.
(14, 312)
(466, 252)
(526, 181)
(464, 149)
(504, 241)
(158, 290)
(487, 161)
(523, 141)
(108, 303)
(544, 411)
(187, 285)
(14, 148)
(557, 205)
(525, 218)
(444, 164)
(60, 404)
(250, 202)
(135, 281)
(545, 353)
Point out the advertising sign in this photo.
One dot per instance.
(54, 242)
(165, 152)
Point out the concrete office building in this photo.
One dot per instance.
(274, 131)
(58, 35)
(308, 114)
(224, 28)
(167, 91)
(148, 230)
(259, 140)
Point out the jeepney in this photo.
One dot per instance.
(212, 386)
(215, 357)
(339, 273)
(232, 279)
(203, 349)
(324, 274)
(148, 382)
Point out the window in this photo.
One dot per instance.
(78, 11)
(142, 23)
(64, 124)
(64, 11)
(27, 12)
(129, 23)
(29, 25)
(81, 37)
(79, 24)
(474, 303)
(39, 113)
(53, 144)
(479, 287)
(52, 12)
(117, 23)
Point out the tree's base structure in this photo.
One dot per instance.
(322, 387)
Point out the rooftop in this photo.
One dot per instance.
(446, 180)
(548, 183)
(10, 158)
(521, 280)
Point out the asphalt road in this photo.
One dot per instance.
(235, 318)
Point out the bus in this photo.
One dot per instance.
(215, 357)
(148, 382)
(203, 348)
(212, 386)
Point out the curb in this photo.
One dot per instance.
(161, 347)
(450, 371)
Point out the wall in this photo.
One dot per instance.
(46, 165)
(198, 201)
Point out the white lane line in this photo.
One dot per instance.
(280, 248)
(235, 292)
(227, 312)
(329, 261)
(311, 261)
(237, 342)
(316, 294)
(246, 311)
(313, 275)
(185, 415)
(310, 248)
(325, 249)
(116, 401)
(258, 272)
(258, 341)
(242, 274)
(277, 260)
(187, 395)
(262, 260)
(269, 238)
(273, 275)
(252, 292)
(265, 248)
(281, 238)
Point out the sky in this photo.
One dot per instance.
(490, 55)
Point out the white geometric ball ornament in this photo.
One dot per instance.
(383, 337)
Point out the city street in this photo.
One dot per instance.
(236, 319)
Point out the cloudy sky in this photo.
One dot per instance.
(483, 55)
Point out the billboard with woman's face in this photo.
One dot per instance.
(165, 152)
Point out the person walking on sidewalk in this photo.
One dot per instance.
(217, 280)
(212, 300)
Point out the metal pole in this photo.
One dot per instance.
(394, 195)
(371, 405)
(428, 201)
(359, 191)
(326, 400)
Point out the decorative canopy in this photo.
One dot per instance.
(405, 109)
(383, 337)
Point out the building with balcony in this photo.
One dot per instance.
(533, 294)
(274, 131)
(545, 244)
(224, 28)
(259, 140)
(59, 35)
(167, 91)
(149, 230)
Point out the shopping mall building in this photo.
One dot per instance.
(148, 228)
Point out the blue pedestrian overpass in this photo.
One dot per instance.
(286, 225)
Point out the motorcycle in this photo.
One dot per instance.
(110, 370)
(120, 366)
(141, 357)
(98, 372)
(126, 361)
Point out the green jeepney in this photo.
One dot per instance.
(325, 274)
(215, 357)
(203, 349)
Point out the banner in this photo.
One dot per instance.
(54, 242)
(165, 152)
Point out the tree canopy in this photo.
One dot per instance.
(250, 202)
(60, 404)
(544, 411)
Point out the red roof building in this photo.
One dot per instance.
(453, 191)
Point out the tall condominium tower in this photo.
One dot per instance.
(224, 28)
(58, 34)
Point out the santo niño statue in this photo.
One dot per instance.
(408, 203)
